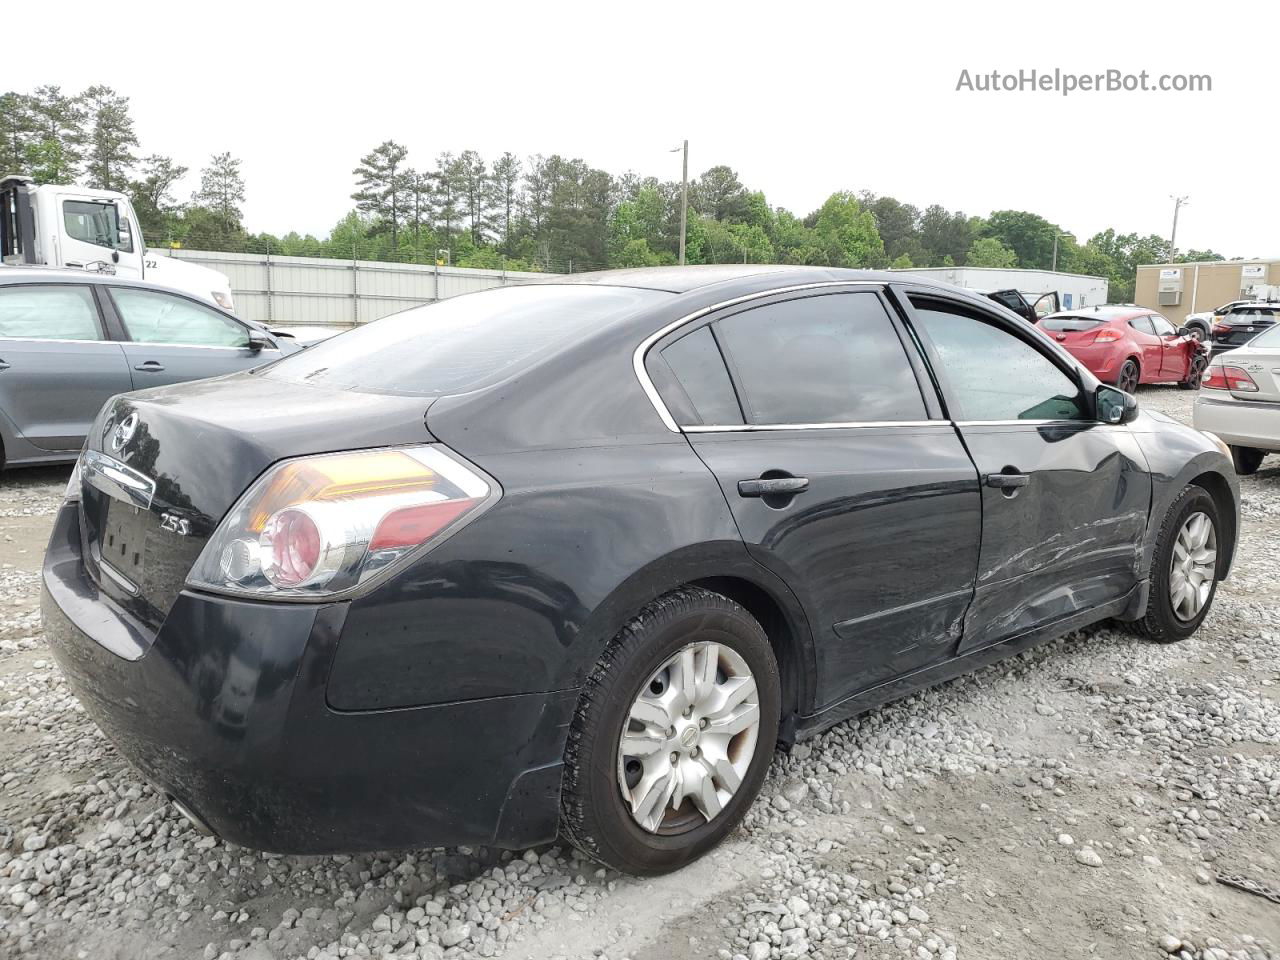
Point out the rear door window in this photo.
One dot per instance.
(60, 311)
(834, 358)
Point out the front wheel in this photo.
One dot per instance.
(673, 734)
(1127, 380)
(1195, 373)
(1246, 460)
(1184, 571)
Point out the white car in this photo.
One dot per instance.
(1240, 400)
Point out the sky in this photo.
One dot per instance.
(801, 99)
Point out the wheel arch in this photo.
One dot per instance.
(724, 568)
(1224, 499)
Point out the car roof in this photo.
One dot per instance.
(1109, 312)
(39, 274)
(690, 278)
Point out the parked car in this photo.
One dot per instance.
(1240, 400)
(1127, 345)
(1013, 299)
(1200, 325)
(69, 340)
(1241, 324)
(571, 557)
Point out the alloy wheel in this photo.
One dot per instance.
(689, 738)
(1194, 564)
(1128, 380)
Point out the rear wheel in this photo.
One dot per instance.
(673, 734)
(1127, 379)
(1247, 460)
(1197, 332)
(1184, 569)
(1194, 374)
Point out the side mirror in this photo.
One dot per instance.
(1184, 331)
(258, 341)
(1113, 405)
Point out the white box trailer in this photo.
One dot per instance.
(1074, 290)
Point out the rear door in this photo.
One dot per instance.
(1064, 497)
(171, 338)
(840, 472)
(56, 367)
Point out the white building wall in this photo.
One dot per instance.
(315, 291)
(1074, 289)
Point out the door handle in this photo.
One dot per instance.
(773, 487)
(150, 366)
(1007, 481)
(3, 365)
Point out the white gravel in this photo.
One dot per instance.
(1078, 800)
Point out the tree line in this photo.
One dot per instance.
(547, 213)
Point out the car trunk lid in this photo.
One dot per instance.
(162, 467)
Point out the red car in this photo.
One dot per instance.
(1129, 345)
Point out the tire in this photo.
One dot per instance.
(595, 816)
(1162, 622)
(1129, 376)
(1247, 460)
(1199, 332)
(1195, 374)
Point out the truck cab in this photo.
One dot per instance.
(82, 228)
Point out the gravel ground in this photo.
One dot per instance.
(1078, 800)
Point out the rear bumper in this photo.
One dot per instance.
(225, 710)
(1104, 362)
(1244, 423)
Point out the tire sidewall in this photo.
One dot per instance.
(618, 839)
(1193, 500)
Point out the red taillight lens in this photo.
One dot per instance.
(1221, 328)
(1214, 379)
(318, 526)
(1107, 336)
(1228, 377)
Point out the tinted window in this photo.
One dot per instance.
(697, 364)
(1070, 324)
(54, 312)
(1163, 327)
(463, 342)
(1251, 315)
(994, 375)
(151, 317)
(827, 359)
(96, 223)
(1143, 325)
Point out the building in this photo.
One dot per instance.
(1179, 289)
(1074, 290)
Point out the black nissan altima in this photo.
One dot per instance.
(569, 559)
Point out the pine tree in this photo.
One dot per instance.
(222, 190)
(110, 139)
(383, 186)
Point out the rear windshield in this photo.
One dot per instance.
(1069, 324)
(460, 343)
(1268, 338)
(1249, 315)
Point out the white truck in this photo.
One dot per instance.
(68, 226)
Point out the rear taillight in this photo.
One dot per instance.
(319, 526)
(1107, 336)
(1228, 378)
(1221, 328)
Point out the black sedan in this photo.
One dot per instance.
(570, 558)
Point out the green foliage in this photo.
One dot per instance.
(109, 138)
(846, 233)
(901, 262)
(222, 190)
(990, 252)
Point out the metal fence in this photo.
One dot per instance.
(317, 291)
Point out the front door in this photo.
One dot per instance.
(1176, 360)
(843, 479)
(56, 368)
(1152, 347)
(1064, 497)
(93, 232)
(172, 338)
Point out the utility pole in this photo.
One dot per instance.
(1178, 203)
(1056, 235)
(684, 197)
